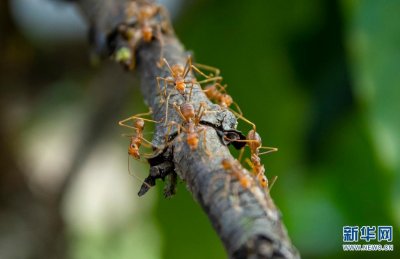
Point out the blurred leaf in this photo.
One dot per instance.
(374, 42)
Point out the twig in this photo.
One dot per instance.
(246, 220)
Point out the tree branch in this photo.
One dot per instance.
(246, 219)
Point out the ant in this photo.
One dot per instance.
(180, 79)
(191, 124)
(179, 76)
(141, 24)
(236, 169)
(217, 93)
(253, 141)
(137, 138)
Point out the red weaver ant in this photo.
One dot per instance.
(181, 81)
(137, 139)
(217, 93)
(191, 124)
(144, 21)
(235, 168)
(253, 141)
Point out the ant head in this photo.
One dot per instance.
(187, 110)
(263, 180)
(177, 70)
(139, 123)
(133, 151)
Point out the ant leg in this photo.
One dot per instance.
(179, 111)
(206, 150)
(200, 111)
(166, 109)
(241, 154)
(239, 111)
(241, 140)
(138, 116)
(166, 82)
(270, 150)
(208, 68)
(188, 66)
(146, 142)
(170, 124)
(244, 119)
(221, 88)
(204, 110)
(204, 75)
(248, 161)
(132, 174)
(210, 79)
(127, 126)
(160, 39)
(169, 67)
(158, 78)
(190, 92)
(218, 87)
(169, 130)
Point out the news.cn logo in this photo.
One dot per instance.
(381, 234)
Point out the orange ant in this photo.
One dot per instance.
(236, 169)
(253, 141)
(137, 139)
(191, 124)
(141, 24)
(217, 93)
(179, 78)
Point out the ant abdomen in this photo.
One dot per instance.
(187, 110)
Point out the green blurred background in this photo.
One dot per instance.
(320, 78)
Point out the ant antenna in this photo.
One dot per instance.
(138, 178)
(272, 183)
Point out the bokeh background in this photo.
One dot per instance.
(320, 78)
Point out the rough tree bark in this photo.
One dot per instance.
(246, 220)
